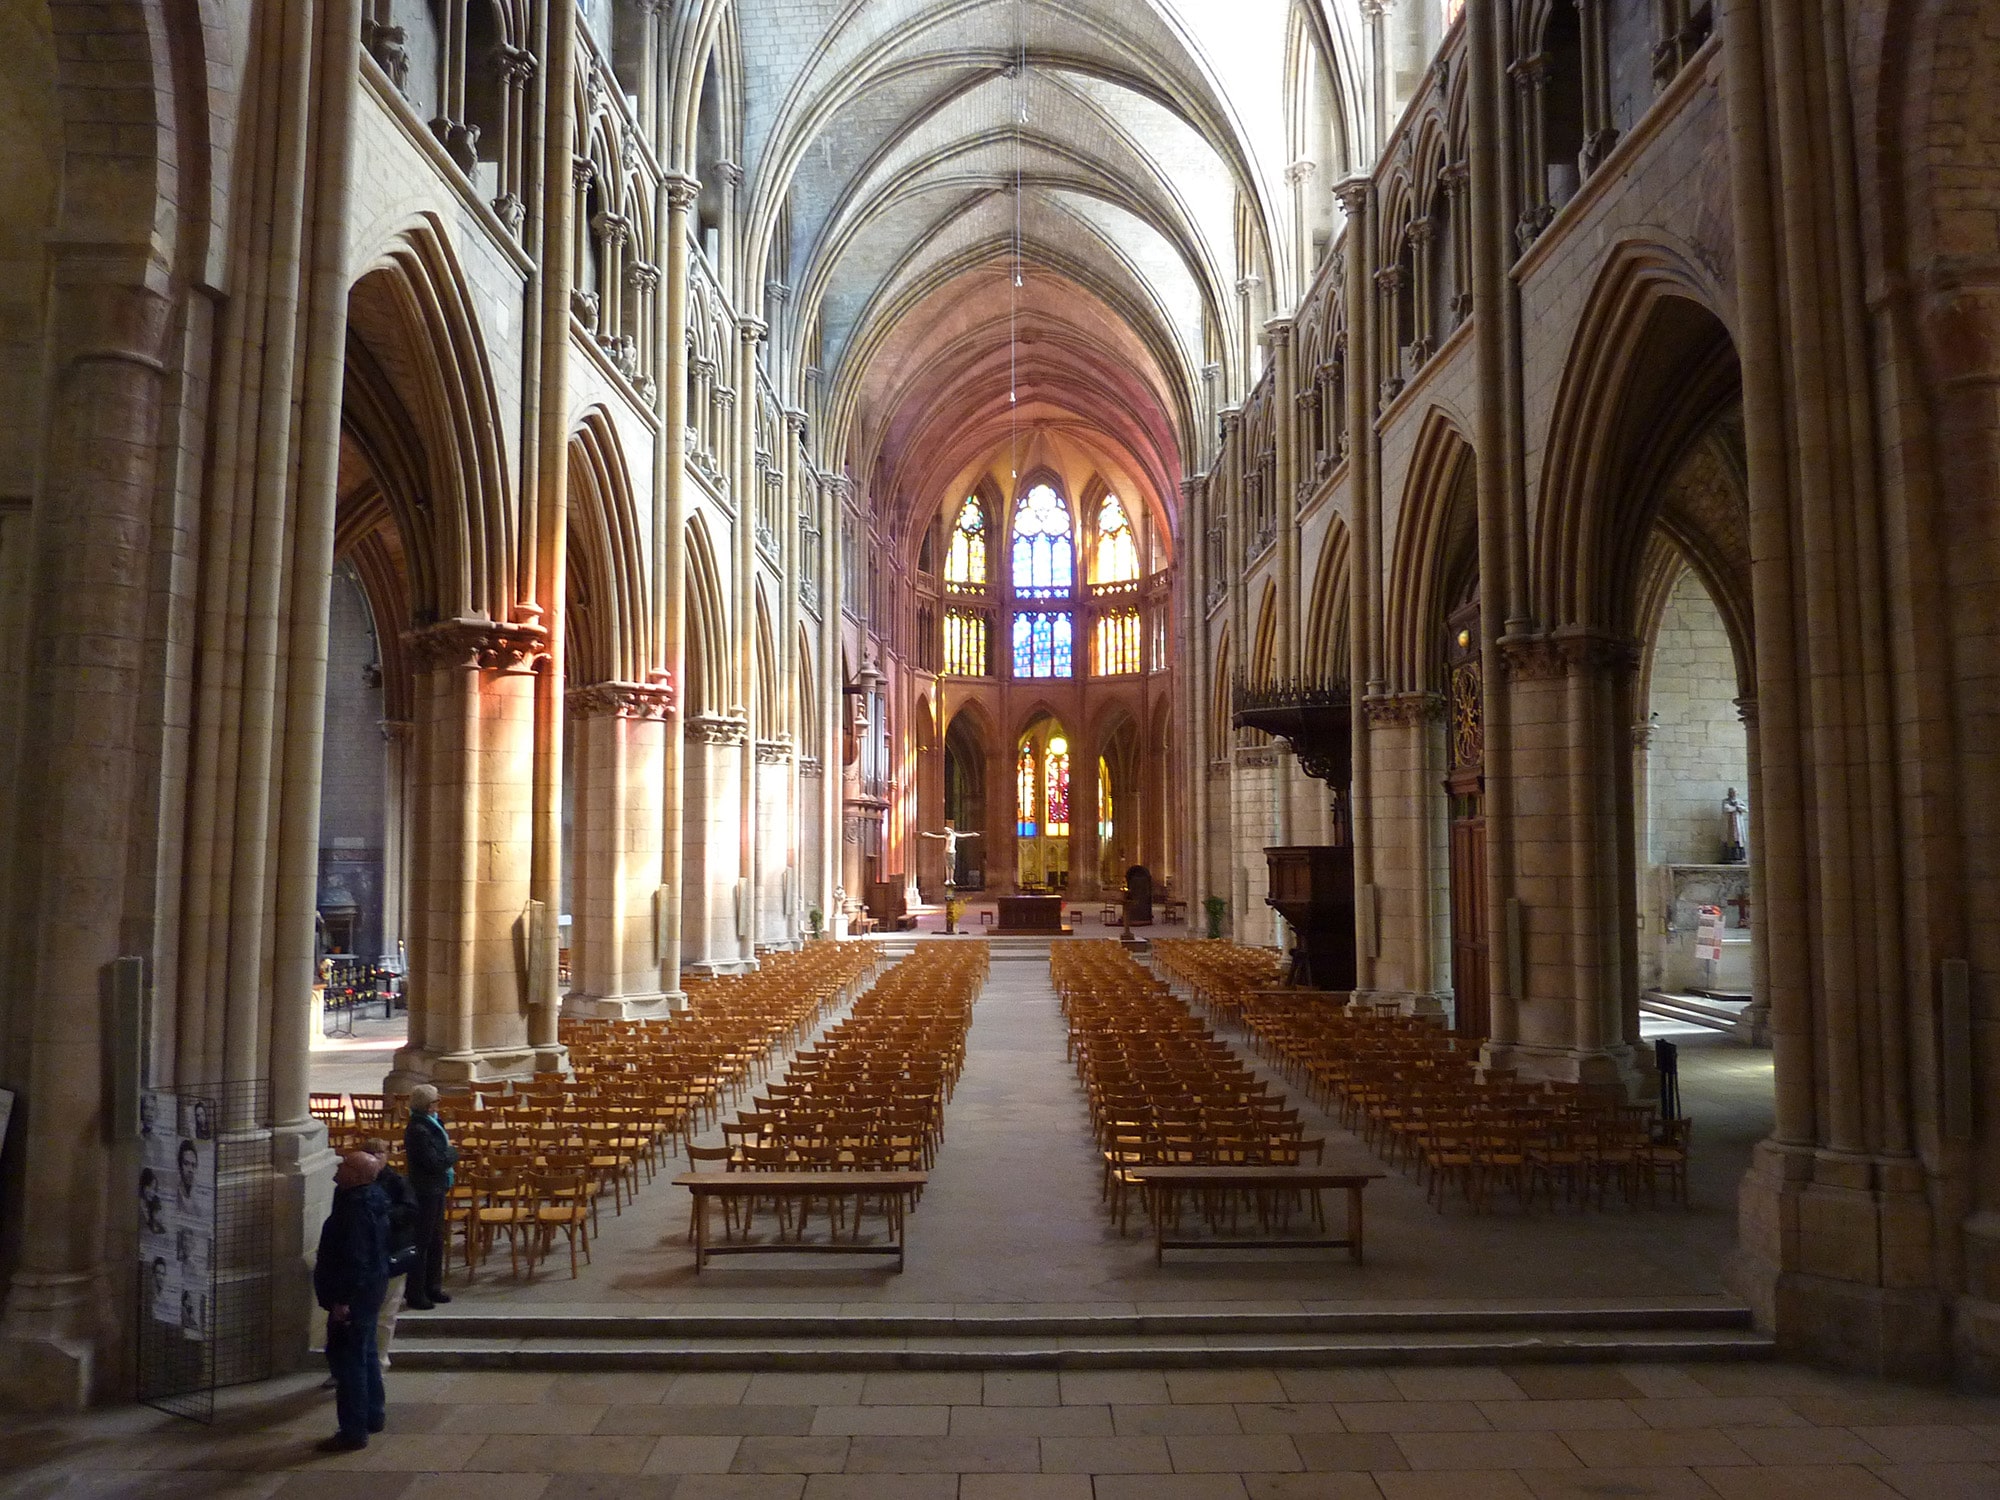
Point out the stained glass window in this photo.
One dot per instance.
(1042, 645)
(965, 560)
(1024, 793)
(964, 643)
(1117, 644)
(1106, 820)
(1044, 553)
(1056, 773)
(1117, 549)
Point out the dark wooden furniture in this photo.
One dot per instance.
(897, 1189)
(1138, 897)
(1312, 886)
(1163, 1184)
(1031, 916)
(888, 904)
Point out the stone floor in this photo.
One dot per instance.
(1747, 1432)
(1013, 1216)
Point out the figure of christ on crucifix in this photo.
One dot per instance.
(951, 837)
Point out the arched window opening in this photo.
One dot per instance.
(965, 644)
(1055, 774)
(965, 561)
(1026, 821)
(1107, 818)
(1117, 644)
(1117, 552)
(1043, 645)
(1044, 551)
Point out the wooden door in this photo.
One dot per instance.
(1468, 918)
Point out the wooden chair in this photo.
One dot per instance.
(561, 1204)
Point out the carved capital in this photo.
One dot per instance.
(475, 645)
(582, 172)
(810, 768)
(753, 331)
(397, 731)
(1403, 708)
(1746, 710)
(1542, 658)
(683, 192)
(622, 700)
(1301, 171)
(730, 173)
(1352, 194)
(613, 229)
(642, 275)
(774, 752)
(715, 729)
(1245, 285)
(513, 66)
(1279, 332)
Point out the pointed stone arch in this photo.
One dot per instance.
(610, 635)
(1435, 525)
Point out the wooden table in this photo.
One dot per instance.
(1161, 1184)
(1030, 916)
(897, 1187)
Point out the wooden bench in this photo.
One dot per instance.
(896, 1187)
(1163, 1184)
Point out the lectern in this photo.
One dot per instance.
(1312, 887)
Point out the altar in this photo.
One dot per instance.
(1031, 916)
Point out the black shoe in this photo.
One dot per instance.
(440, 1296)
(418, 1306)
(340, 1442)
(378, 1424)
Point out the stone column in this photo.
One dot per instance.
(716, 745)
(750, 333)
(475, 946)
(620, 731)
(92, 532)
(1357, 200)
(670, 568)
(397, 809)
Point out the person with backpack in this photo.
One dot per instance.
(350, 1274)
(402, 1243)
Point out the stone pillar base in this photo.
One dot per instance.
(1832, 1254)
(448, 1070)
(303, 1165)
(1408, 1002)
(51, 1351)
(619, 1007)
(1627, 1069)
(1753, 1026)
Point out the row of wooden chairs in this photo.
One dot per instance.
(1163, 1090)
(538, 1156)
(1419, 1097)
(869, 1095)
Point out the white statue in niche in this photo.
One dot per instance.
(1734, 811)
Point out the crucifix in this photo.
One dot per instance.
(951, 836)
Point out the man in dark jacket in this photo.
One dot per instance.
(349, 1279)
(430, 1158)
(402, 1201)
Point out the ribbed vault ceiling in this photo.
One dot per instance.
(906, 158)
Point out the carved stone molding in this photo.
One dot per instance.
(1746, 710)
(1257, 758)
(682, 192)
(730, 173)
(475, 645)
(810, 767)
(622, 700)
(1403, 708)
(398, 731)
(642, 275)
(715, 729)
(1218, 770)
(1542, 658)
(774, 752)
(1352, 195)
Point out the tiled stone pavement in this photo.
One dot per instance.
(1741, 1432)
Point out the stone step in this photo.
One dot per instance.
(1573, 1346)
(1716, 1015)
(576, 1339)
